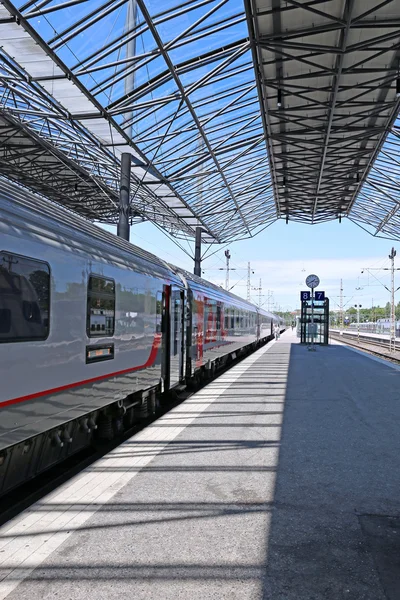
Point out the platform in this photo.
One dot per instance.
(279, 481)
(363, 333)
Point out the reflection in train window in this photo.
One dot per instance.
(218, 317)
(24, 298)
(100, 307)
(159, 311)
(177, 322)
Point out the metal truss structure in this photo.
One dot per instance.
(377, 206)
(43, 146)
(175, 88)
(44, 149)
(326, 76)
(235, 112)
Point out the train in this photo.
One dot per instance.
(382, 326)
(96, 332)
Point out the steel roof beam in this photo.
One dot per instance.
(312, 166)
(254, 41)
(71, 76)
(339, 66)
(182, 90)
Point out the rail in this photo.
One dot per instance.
(374, 345)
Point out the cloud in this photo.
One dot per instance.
(286, 278)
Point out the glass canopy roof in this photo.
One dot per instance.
(378, 202)
(176, 85)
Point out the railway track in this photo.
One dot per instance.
(371, 345)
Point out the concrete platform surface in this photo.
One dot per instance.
(279, 481)
(363, 333)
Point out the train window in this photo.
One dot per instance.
(177, 320)
(24, 298)
(159, 311)
(218, 317)
(227, 321)
(206, 312)
(100, 307)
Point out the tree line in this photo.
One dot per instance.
(371, 314)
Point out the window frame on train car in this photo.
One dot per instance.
(160, 312)
(15, 340)
(218, 316)
(226, 317)
(176, 302)
(99, 334)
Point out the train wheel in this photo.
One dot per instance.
(104, 428)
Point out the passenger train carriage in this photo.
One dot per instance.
(93, 330)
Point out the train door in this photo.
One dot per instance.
(164, 300)
(177, 339)
(219, 321)
(189, 333)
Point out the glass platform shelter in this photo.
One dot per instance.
(317, 331)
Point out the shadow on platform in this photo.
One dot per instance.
(286, 496)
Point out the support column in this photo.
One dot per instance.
(392, 342)
(228, 258)
(124, 194)
(197, 253)
(341, 308)
(130, 25)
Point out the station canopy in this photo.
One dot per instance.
(235, 112)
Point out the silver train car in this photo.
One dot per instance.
(94, 332)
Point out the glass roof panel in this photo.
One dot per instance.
(178, 80)
(174, 84)
(378, 204)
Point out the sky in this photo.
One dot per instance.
(283, 255)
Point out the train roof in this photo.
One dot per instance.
(36, 209)
(201, 283)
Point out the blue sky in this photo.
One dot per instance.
(283, 255)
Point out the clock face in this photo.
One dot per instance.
(312, 281)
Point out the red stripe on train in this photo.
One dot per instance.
(150, 361)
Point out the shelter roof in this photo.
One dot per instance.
(175, 88)
(326, 74)
(191, 89)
